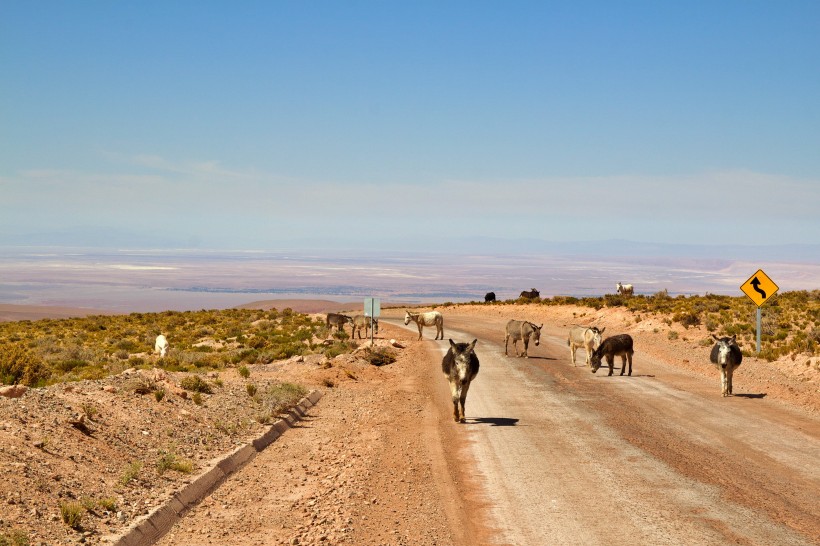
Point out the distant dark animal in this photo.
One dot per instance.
(530, 295)
(624, 289)
(338, 320)
(489, 296)
(431, 318)
(620, 345)
(460, 366)
(521, 330)
(726, 356)
(362, 322)
(588, 337)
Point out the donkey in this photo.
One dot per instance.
(522, 330)
(620, 345)
(362, 322)
(624, 289)
(431, 318)
(337, 320)
(583, 336)
(161, 346)
(726, 356)
(489, 296)
(460, 366)
(529, 294)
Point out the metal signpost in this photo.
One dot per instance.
(372, 309)
(759, 287)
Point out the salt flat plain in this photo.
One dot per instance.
(156, 280)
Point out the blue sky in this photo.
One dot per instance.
(271, 124)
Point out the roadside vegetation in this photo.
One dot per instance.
(790, 320)
(44, 352)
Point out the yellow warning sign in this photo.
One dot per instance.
(759, 287)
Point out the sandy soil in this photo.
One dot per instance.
(378, 460)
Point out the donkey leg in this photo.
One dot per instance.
(610, 360)
(729, 372)
(572, 353)
(526, 346)
(724, 382)
(463, 400)
(506, 339)
(420, 329)
(629, 356)
(623, 364)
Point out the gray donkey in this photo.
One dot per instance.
(522, 330)
(726, 356)
(460, 366)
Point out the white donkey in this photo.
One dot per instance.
(431, 318)
(161, 345)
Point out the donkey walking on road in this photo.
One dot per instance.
(460, 366)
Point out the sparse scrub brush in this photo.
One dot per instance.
(196, 384)
(72, 514)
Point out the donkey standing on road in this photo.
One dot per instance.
(460, 366)
(524, 330)
(726, 356)
(588, 337)
(431, 318)
(620, 345)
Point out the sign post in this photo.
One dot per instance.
(759, 287)
(372, 309)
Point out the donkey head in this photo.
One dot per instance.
(406, 317)
(595, 359)
(724, 349)
(462, 353)
(536, 333)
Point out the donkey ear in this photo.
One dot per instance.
(601, 331)
(472, 345)
(734, 338)
(452, 343)
(715, 337)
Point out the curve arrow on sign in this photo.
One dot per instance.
(756, 285)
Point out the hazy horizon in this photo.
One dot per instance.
(129, 280)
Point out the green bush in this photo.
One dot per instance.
(196, 384)
(19, 365)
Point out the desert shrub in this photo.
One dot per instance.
(283, 396)
(196, 384)
(15, 537)
(18, 364)
(130, 472)
(672, 335)
(141, 385)
(379, 357)
(168, 460)
(251, 389)
(72, 514)
(339, 348)
(687, 318)
(244, 371)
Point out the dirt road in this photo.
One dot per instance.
(550, 454)
(568, 457)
